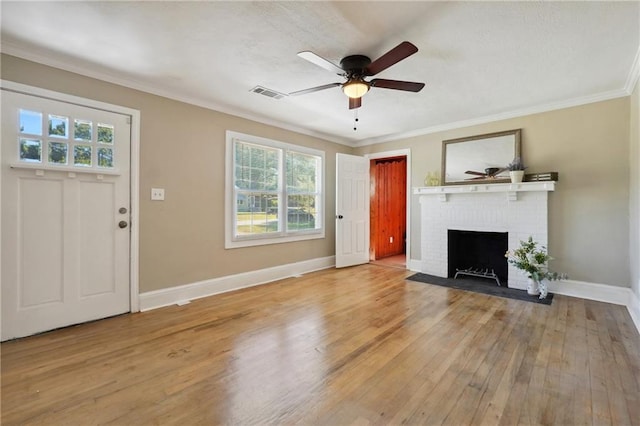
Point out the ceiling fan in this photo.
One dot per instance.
(489, 173)
(356, 67)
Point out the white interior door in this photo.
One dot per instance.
(352, 210)
(65, 214)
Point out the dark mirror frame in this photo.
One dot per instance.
(476, 153)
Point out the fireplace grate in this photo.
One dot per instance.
(480, 273)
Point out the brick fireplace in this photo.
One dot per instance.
(519, 210)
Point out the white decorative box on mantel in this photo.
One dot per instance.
(520, 209)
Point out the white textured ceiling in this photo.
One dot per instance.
(480, 60)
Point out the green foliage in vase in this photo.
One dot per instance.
(533, 261)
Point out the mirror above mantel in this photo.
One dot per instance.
(475, 159)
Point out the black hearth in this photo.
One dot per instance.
(481, 254)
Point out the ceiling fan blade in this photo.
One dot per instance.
(471, 172)
(504, 169)
(314, 89)
(408, 86)
(321, 62)
(355, 103)
(395, 55)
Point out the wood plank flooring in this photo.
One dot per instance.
(396, 261)
(355, 346)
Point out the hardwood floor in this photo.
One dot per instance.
(396, 261)
(354, 346)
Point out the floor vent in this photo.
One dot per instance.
(268, 92)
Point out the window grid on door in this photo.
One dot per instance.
(58, 140)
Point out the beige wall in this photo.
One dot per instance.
(589, 211)
(182, 149)
(634, 190)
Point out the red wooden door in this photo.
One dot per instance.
(388, 206)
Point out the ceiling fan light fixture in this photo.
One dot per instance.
(355, 88)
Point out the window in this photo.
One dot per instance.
(62, 146)
(274, 192)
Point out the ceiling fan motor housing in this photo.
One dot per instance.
(355, 65)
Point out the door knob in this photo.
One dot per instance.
(122, 224)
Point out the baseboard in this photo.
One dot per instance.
(184, 293)
(414, 265)
(592, 291)
(174, 295)
(634, 309)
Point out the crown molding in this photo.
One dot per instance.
(41, 58)
(634, 74)
(604, 96)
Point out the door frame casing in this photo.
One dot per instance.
(134, 169)
(400, 153)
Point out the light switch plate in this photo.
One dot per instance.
(157, 194)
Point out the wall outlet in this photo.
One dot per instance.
(157, 194)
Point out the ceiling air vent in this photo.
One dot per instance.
(268, 92)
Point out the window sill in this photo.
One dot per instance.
(50, 168)
(251, 242)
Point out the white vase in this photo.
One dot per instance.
(532, 287)
(543, 287)
(516, 176)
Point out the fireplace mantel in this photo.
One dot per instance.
(510, 189)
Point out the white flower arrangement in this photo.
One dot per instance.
(533, 262)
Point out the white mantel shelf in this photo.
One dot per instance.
(510, 189)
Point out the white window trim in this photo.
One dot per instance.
(229, 241)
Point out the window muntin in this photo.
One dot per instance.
(79, 146)
(275, 191)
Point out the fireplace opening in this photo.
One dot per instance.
(480, 255)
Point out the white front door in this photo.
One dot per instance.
(352, 210)
(65, 214)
